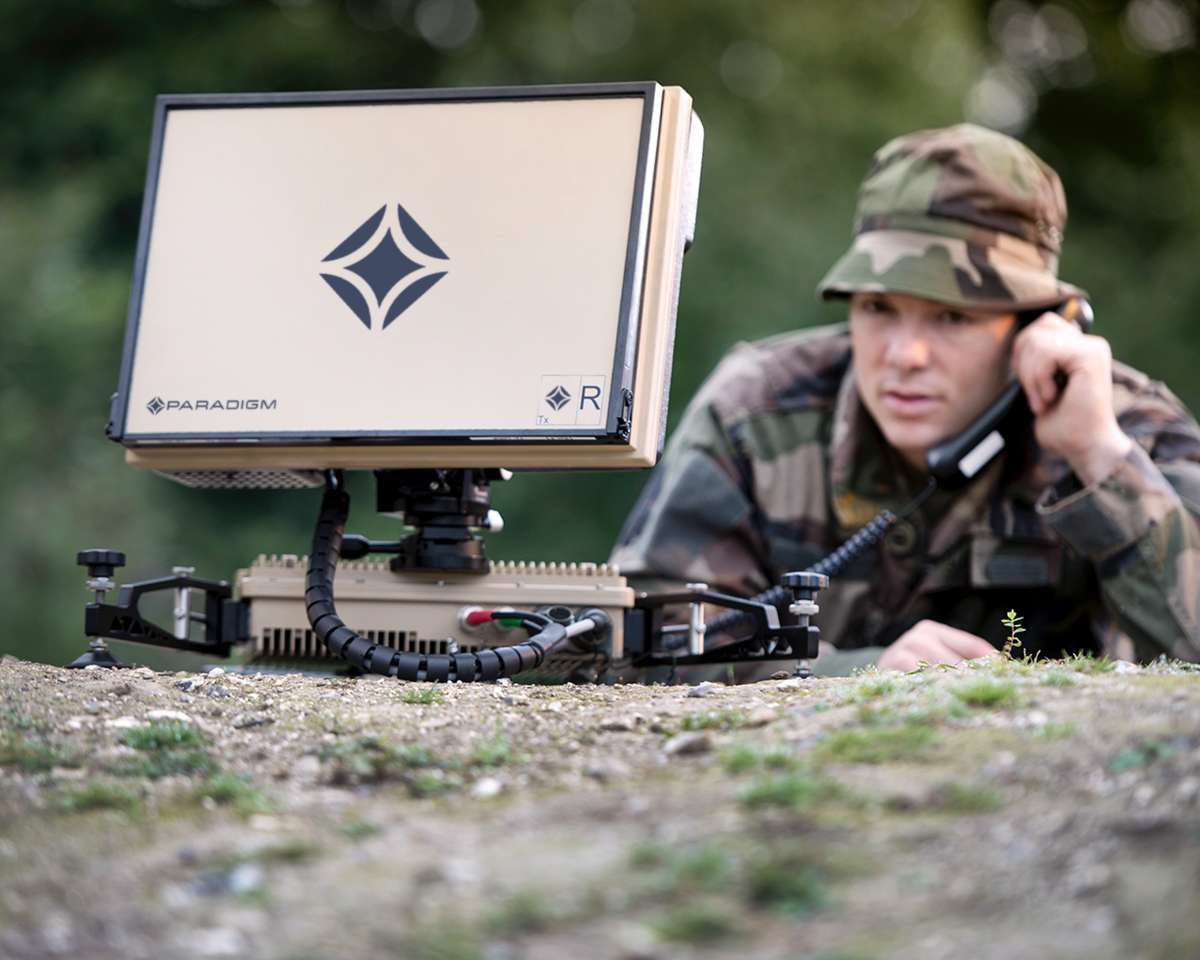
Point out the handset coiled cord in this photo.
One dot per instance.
(830, 565)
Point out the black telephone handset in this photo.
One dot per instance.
(953, 462)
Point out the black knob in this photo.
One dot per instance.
(100, 563)
(804, 580)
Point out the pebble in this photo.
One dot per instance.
(216, 690)
(604, 771)
(190, 684)
(245, 878)
(760, 717)
(123, 723)
(1124, 666)
(1188, 789)
(1088, 878)
(703, 689)
(58, 934)
(93, 706)
(486, 787)
(619, 725)
(217, 942)
(175, 896)
(217, 672)
(173, 715)
(244, 720)
(1036, 718)
(1144, 823)
(687, 744)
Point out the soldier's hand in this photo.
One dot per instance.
(1076, 422)
(932, 642)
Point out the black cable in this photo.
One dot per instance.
(341, 641)
(830, 565)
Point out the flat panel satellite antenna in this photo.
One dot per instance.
(407, 279)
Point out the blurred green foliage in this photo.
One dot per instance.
(794, 97)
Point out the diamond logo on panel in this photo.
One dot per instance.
(559, 397)
(384, 267)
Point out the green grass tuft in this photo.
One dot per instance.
(723, 719)
(964, 798)
(1056, 731)
(357, 829)
(705, 868)
(427, 695)
(907, 742)
(875, 687)
(229, 790)
(523, 913)
(696, 923)
(294, 850)
(429, 784)
(169, 749)
(99, 796)
(784, 883)
(794, 791)
(494, 752)
(442, 941)
(646, 854)
(986, 693)
(1057, 678)
(32, 756)
(1141, 755)
(1086, 663)
(742, 757)
(162, 735)
(414, 757)
(17, 720)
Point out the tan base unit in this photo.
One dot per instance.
(426, 612)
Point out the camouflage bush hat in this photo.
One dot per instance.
(962, 215)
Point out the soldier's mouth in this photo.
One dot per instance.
(906, 403)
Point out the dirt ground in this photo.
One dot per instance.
(1003, 810)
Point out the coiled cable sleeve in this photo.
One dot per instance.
(486, 664)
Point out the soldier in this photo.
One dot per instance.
(1088, 525)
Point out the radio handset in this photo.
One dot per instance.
(954, 462)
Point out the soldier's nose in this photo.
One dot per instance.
(907, 349)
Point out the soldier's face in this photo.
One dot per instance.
(925, 370)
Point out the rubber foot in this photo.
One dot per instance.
(97, 658)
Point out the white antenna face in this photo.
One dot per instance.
(445, 267)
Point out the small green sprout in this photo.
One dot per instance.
(1012, 642)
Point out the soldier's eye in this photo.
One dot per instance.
(875, 305)
(954, 318)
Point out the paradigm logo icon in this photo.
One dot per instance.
(208, 404)
(384, 266)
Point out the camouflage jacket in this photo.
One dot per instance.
(776, 462)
